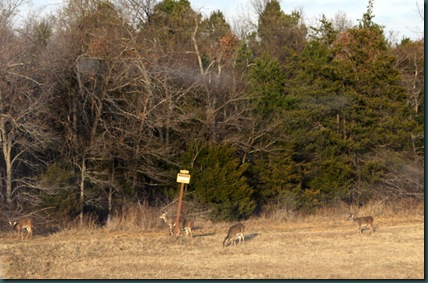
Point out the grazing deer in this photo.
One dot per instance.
(24, 223)
(366, 221)
(185, 224)
(235, 231)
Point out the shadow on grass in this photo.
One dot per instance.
(45, 232)
(203, 235)
(249, 237)
(368, 229)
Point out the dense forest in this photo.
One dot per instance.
(102, 103)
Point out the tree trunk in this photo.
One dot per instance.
(110, 198)
(82, 189)
(6, 140)
(110, 195)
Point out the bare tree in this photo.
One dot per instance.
(118, 106)
(420, 10)
(137, 11)
(8, 10)
(22, 105)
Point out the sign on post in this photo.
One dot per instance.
(183, 177)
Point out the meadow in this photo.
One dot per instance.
(322, 246)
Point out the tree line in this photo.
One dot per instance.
(103, 102)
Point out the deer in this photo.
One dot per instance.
(235, 231)
(366, 221)
(24, 223)
(186, 224)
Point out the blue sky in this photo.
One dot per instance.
(400, 16)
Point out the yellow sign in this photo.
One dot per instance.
(183, 177)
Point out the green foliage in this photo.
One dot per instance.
(173, 8)
(58, 191)
(325, 34)
(326, 169)
(218, 181)
(266, 80)
(377, 94)
(55, 176)
(278, 182)
(216, 25)
(42, 32)
(211, 33)
(173, 23)
(341, 108)
(372, 171)
(281, 35)
(332, 178)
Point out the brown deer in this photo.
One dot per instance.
(235, 231)
(188, 226)
(185, 224)
(24, 223)
(366, 221)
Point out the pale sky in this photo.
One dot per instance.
(400, 16)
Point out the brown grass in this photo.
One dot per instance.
(320, 246)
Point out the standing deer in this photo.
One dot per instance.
(185, 224)
(235, 231)
(366, 221)
(24, 223)
(188, 226)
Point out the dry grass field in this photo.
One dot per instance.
(314, 247)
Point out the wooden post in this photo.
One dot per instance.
(180, 200)
(184, 178)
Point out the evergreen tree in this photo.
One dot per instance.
(266, 86)
(281, 34)
(379, 115)
(218, 181)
